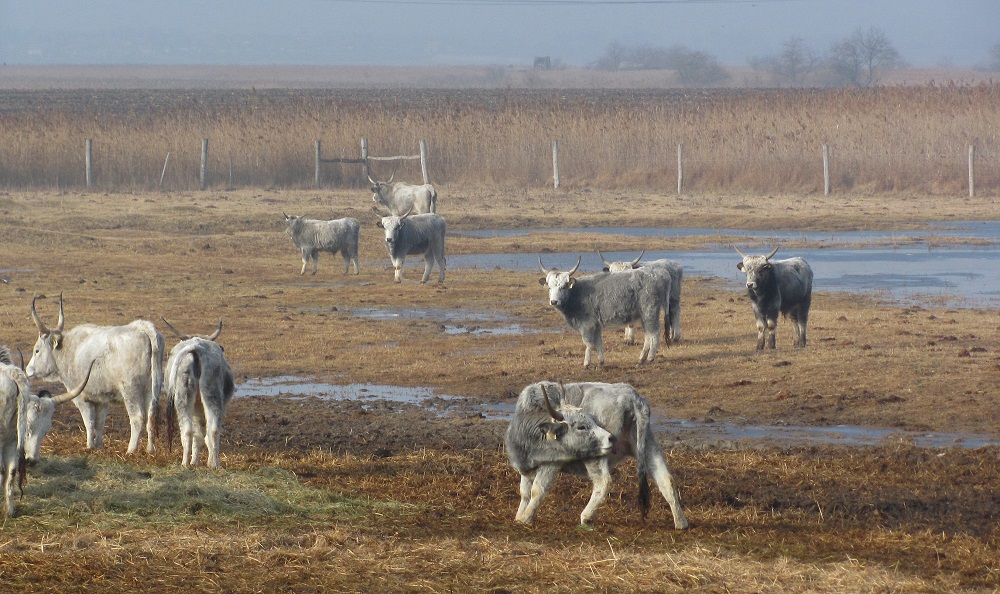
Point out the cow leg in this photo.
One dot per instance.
(213, 435)
(675, 321)
(650, 341)
(442, 264)
(428, 266)
(525, 491)
(347, 262)
(136, 421)
(537, 490)
(629, 334)
(197, 433)
(315, 260)
(184, 421)
(772, 331)
(9, 461)
(93, 416)
(398, 266)
(593, 340)
(600, 475)
(657, 466)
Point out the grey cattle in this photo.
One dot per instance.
(415, 234)
(197, 370)
(775, 286)
(585, 429)
(41, 407)
(591, 302)
(312, 237)
(128, 365)
(14, 391)
(674, 302)
(399, 197)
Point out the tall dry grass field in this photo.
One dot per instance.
(885, 140)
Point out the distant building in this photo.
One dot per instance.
(543, 63)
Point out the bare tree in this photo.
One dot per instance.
(995, 58)
(793, 66)
(863, 58)
(696, 68)
(614, 57)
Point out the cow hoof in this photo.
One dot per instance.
(587, 527)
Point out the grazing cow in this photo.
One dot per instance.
(591, 302)
(674, 302)
(312, 237)
(400, 197)
(41, 408)
(585, 429)
(415, 234)
(129, 366)
(197, 369)
(778, 286)
(14, 391)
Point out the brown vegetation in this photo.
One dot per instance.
(317, 495)
(886, 140)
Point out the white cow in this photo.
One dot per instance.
(128, 365)
(197, 370)
(14, 392)
(400, 197)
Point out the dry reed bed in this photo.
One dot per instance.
(898, 139)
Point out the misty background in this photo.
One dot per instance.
(926, 33)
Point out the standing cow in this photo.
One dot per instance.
(14, 391)
(41, 408)
(399, 197)
(674, 302)
(128, 366)
(313, 236)
(589, 303)
(197, 370)
(783, 286)
(415, 234)
(588, 429)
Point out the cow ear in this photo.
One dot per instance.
(572, 281)
(542, 281)
(606, 269)
(379, 224)
(739, 266)
(553, 430)
(57, 342)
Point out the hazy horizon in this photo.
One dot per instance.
(476, 32)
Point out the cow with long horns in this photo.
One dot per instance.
(415, 234)
(589, 303)
(400, 197)
(777, 286)
(674, 299)
(129, 366)
(197, 370)
(585, 429)
(313, 236)
(41, 408)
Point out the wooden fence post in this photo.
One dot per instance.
(364, 158)
(826, 170)
(203, 178)
(972, 177)
(423, 161)
(164, 172)
(319, 157)
(680, 169)
(90, 161)
(555, 164)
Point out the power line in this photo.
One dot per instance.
(558, 2)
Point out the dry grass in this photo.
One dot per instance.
(889, 140)
(321, 497)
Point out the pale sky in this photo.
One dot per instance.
(475, 32)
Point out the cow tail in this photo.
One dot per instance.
(434, 200)
(642, 436)
(156, 343)
(23, 392)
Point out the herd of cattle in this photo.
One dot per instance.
(582, 428)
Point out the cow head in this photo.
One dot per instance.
(559, 283)
(43, 362)
(177, 333)
(393, 226)
(757, 268)
(620, 266)
(575, 432)
(382, 191)
(39, 417)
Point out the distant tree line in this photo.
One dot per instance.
(860, 60)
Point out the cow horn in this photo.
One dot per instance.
(548, 405)
(217, 332)
(639, 257)
(174, 330)
(578, 260)
(76, 391)
(38, 321)
(774, 251)
(541, 266)
(603, 259)
(374, 183)
(742, 255)
(407, 213)
(62, 318)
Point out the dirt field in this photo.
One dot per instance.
(375, 496)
